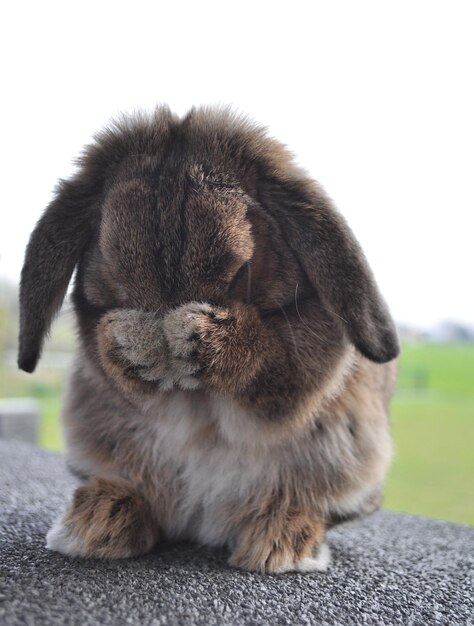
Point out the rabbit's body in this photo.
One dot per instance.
(217, 395)
(203, 462)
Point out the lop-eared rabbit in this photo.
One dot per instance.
(235, 358)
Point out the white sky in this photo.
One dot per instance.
(376, 99)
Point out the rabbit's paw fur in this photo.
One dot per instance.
(182, 330)
(107, 519)
(133, 349)
(193, 345)
(319, 562)
(277, 544)
(219, 346)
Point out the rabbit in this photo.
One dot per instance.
(236, 359)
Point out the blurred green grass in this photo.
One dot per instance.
(50, 430)
(432, 423)
(433, 429)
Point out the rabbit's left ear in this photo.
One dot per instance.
(53, 251)
(333, 261)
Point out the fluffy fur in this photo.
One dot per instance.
(236, 358)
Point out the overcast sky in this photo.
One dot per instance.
(375, 98)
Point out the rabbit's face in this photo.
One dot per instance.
(166, 211)
(201, 238)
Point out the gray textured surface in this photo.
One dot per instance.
(388, 569)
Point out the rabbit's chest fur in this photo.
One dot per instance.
(207, 444)
(222, 463)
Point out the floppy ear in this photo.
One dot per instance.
(333, 261)
(55, 247)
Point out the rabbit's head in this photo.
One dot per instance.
(164, 211)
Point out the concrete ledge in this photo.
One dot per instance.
(388, 569)
(19, 419)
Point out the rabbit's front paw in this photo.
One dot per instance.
(274, 543)
(183, 329)
(219, 346)
(107, 519)
(132, 347)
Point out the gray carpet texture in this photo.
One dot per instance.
(388, 569)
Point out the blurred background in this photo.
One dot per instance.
(376, 101)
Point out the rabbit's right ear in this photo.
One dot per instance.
(55, 247)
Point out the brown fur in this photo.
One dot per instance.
(275, 535)
(112, 519)
(229, 326)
